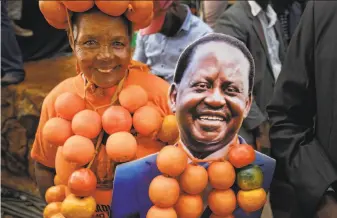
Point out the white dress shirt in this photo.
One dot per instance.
(268, 19)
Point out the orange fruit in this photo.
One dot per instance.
(116, 119)
(216, 216)
(189, 206)
(68, 104)
(171, 160)
(56, 131)
(79, 6)
(52, 209)
(121, 147)
(79, 149)
(82, 182)
(157, 212)
(87, 123)
(221, 174)
(113, 8)
(169, 129)
(194, 179)
(253, 200)
(250, 177)
(55, 194)
(58, 215)
(222, 202)
(164, 191)
(241, 155)
(133, 97)
(147, 120)
(57, 180)
(53, 10)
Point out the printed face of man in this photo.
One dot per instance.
(212, 98)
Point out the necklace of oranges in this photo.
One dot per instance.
(178, 191)
(77, 132)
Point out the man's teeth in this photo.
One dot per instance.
(104, 71)
(211, 118)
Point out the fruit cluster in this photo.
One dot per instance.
(75, 128)
(178, 191)
(139, 12)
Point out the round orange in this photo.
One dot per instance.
(241, 155)
(190, 206)
(158, 212)
(164, 191)
(194, 179)
(221, 174)
(172, 160)
(55, 194)
(222, 202)
(253, 200)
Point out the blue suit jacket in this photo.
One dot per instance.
(132, 180)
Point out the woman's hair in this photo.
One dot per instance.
(127, 23)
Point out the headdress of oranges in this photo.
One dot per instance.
(58, 12)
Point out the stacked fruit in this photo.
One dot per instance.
(75, 128)
(139, 12)
(178, 192)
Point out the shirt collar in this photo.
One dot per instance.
(270, 13)
(187, 24)
(218, 154)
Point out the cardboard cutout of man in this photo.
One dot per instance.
(211, 95)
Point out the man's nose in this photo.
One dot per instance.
(216, 99)
(105, 53)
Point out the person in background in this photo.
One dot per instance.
(212, 10)
(14, 9)
(12, 71)
(160, 44)
(255, 23)
(289, 13)
(303, 116)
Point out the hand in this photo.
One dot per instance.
(328, 206)
(262, 138)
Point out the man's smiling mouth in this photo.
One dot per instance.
(211, 118)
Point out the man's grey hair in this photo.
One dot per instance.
(187, 55)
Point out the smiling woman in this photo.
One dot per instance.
(101, 90)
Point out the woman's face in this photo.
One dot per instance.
(102, 48)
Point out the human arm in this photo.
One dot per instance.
(292, 111)
(139, 53)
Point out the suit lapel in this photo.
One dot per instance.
(281, 39)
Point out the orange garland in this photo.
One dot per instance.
(221, 199)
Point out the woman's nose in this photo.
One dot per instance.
(105, 53)
(216, 99)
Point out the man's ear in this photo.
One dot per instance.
(173, 96)
(248, 105)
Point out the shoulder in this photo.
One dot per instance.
(141, 75)
(66, 85)
(199, 26)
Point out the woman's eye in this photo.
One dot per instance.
(90, 43)
(118, 44)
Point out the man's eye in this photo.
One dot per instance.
(202, 87)
(90, 43)
(232, 89)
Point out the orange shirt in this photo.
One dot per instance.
(103, 167)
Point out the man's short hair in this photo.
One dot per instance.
(187, 55)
